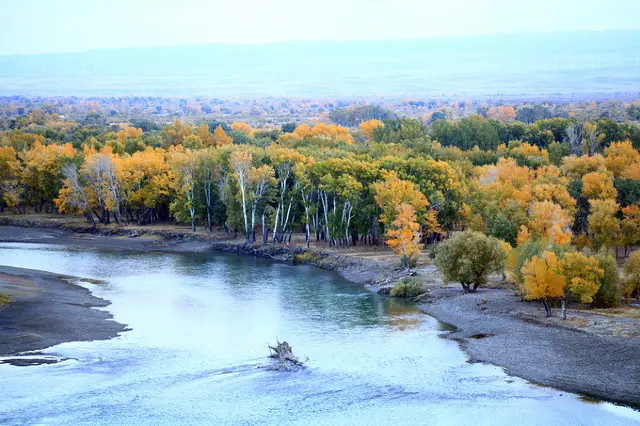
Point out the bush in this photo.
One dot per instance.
(608, 296)
(306, 257)
(469, 257)
(407, 288)
(4, 299)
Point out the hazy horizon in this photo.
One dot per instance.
(433, 38)
(568, 62)
(78, 26)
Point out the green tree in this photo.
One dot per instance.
(469, 257)
(608, 295)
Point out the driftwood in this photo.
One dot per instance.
(389, 280)
(422, 297)
(283, 359)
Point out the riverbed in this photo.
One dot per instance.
(200, 325)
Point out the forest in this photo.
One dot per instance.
(554, 199)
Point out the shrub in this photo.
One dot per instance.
(469, 257)
(407, 288)
(306, 257)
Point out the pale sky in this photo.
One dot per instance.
(39, 26)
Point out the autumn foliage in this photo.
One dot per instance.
(473, 180)
(404, 235)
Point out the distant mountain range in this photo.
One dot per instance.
(536, 64)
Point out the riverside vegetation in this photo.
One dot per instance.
(554, 201)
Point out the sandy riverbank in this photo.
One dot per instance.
(47, 309)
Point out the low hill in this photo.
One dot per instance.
(572, 62)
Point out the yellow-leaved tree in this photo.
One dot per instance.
(184, 165)
(543, 279)
(619, 156)
(598, 186)
(392, 192)
(547, 220)
(367, 127)
(239, 126)
(603, 223)
(404, 235)
(206, 138)
(582, 274)
(241, 163)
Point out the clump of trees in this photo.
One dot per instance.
(558, 196)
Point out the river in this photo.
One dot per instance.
(200, 326)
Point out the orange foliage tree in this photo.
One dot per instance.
(220, 137)
(367, 127)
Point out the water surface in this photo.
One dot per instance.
(201, 323)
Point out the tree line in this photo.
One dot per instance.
(551, 208)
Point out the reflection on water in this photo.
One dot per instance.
(201, 323)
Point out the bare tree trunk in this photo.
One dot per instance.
(375, 229)
(253, 221)
(574, 137)
(325, 208)
(546, 307)
(275, 227)
(89, 217)
(264, 228)
(244, 209)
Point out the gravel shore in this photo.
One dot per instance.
(490, 330)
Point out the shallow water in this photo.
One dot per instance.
(201, 323)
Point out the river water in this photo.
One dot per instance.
(201, 323)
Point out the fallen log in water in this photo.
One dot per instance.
(283, 359)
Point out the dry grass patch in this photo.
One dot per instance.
(623, 311)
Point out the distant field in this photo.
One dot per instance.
(571, 63)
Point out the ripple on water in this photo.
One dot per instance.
(201, 324)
